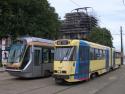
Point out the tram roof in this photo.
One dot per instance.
(35, 39)
(96, 45)
(92, 44)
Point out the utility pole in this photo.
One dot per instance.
(122, 54)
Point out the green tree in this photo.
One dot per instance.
(101, 36)
(28, 17)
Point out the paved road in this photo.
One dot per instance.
(110, 83)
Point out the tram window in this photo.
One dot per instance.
(91, 53)
(46, 55)
(101, 54)
(96, 54)
(26, 58)
(73, 54)
(104, 53)
(51, 56)
(117, 55)
(37, 57)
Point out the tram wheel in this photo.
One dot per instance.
(93, 75)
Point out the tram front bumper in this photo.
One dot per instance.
(19, 73)
(61, 76)
(13, 70)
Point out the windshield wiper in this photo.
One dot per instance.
(64, 56)
(71, 50)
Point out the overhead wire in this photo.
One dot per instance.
(75, 3)
(117, 34)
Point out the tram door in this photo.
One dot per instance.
(107, 59)
(37, 62)
(113, 58)
(83, 63)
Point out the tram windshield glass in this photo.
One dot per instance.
(16, 52)
(65, 53)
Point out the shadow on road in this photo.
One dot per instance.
(36, 78)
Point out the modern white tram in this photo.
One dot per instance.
(31, 57)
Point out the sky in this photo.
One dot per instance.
(110, 13)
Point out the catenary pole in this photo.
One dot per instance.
(122, 54)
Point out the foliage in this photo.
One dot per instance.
(101, 36)
(28, 17)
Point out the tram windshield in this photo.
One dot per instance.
(16, 52)
(65, 53)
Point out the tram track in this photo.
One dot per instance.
(43, 87)
(63, 90)
(48, 86)
(6, 81)
(17, 86)
(55, 89)
(30, 90)
(14, 81)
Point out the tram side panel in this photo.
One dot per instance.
(98, 63)
(113, 58)
(42, 61)
(110, 59)
(117, 59)
(27, 65)
(47, 61)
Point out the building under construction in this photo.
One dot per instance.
(77, 25)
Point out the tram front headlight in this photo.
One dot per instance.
(55, 71)
(64, 72)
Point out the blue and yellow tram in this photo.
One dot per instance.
(79, 60)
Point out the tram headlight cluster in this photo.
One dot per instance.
(58, 71)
